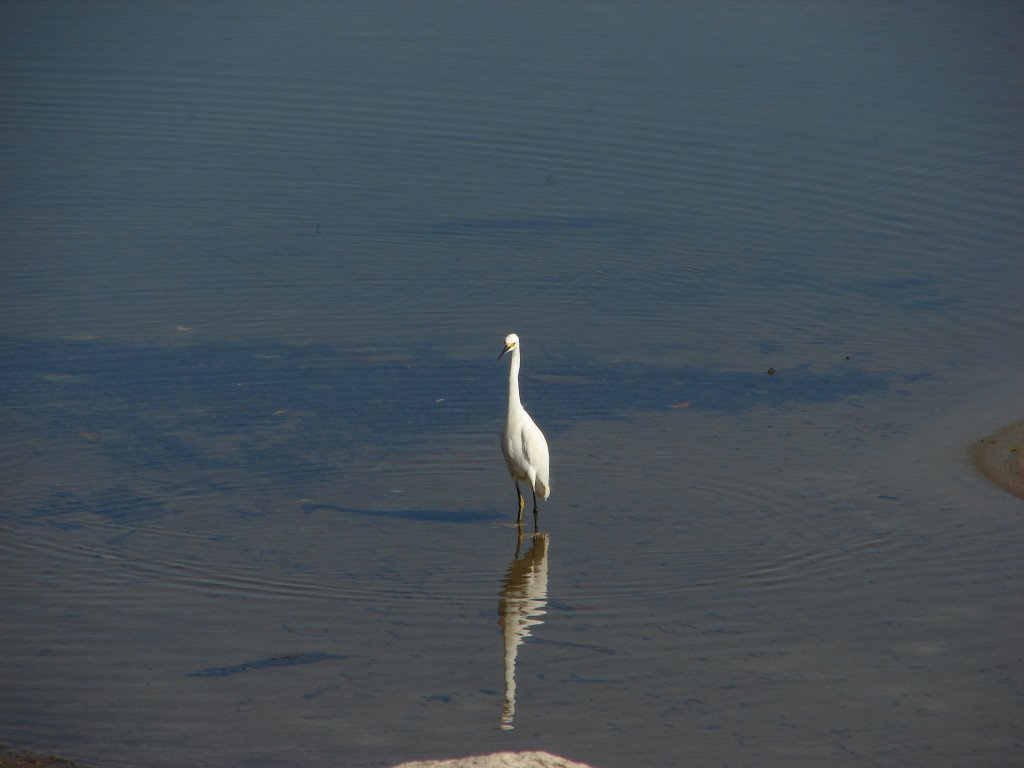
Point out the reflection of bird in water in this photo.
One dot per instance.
(522, 442)
(523, 597)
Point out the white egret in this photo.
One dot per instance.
(522, 442)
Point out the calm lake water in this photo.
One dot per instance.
(258, 260)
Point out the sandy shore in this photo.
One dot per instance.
(1000, 458)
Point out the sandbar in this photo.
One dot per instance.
(1000, 458)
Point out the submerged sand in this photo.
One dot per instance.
(1000, 458)
(24, 759)
(18, 758)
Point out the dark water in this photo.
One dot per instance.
(258, 261)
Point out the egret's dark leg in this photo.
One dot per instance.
(536, 526)
(522, 503)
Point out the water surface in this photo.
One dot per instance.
(257, 265)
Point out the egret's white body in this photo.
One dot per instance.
(522, 442)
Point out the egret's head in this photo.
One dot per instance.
(511, 342)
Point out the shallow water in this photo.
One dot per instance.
(765, 263)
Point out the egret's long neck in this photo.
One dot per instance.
(513, 382)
